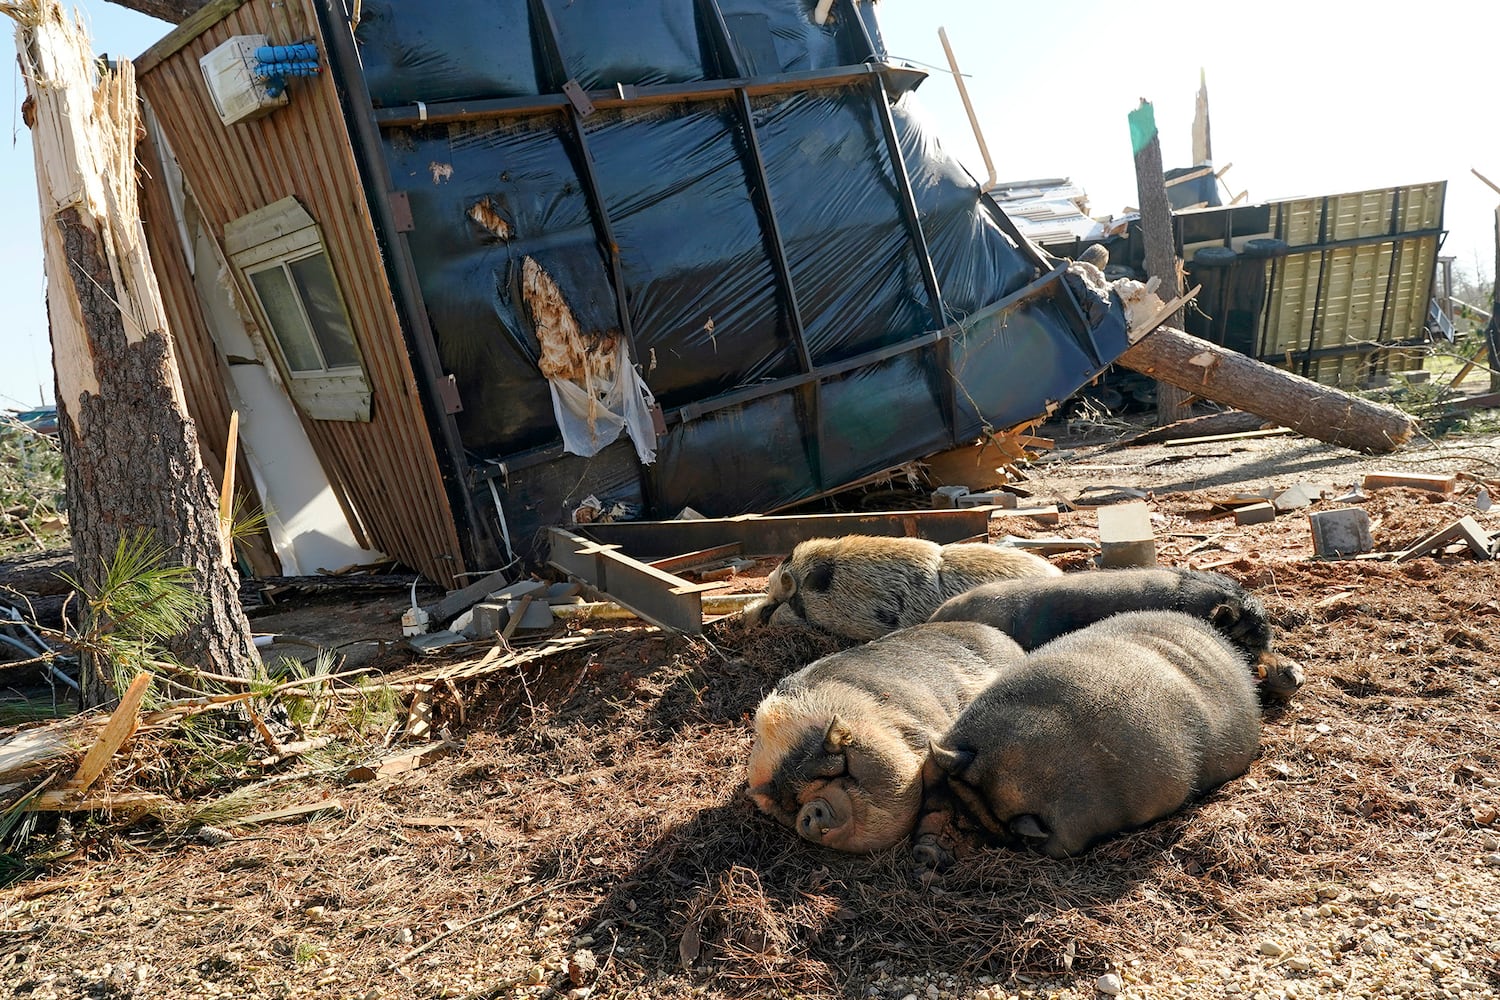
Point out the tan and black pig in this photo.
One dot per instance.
(1102, 730)
(864, 586)
(840, 745)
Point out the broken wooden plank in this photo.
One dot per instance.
(1445, 483)
(1125, 536)
(121, 726)
(1263, 432)
(1228, 422)
(308, 810)
(1318, 411)
(1254, 513)
(400, 763)
(105, 802)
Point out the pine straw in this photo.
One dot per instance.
(616, 774)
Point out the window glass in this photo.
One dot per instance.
(287, 322)
(320, 297)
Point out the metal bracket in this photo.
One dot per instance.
(578, 97)
(448, 390)
(401, 211)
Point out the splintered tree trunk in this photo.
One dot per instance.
(130, 452)
(1156, 234)
(1318, 411)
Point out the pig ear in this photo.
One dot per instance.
(783, 585)
(953, 762)
(1224, 616)
(837, 737)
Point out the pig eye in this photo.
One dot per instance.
(832, 765)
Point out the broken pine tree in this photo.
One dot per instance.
(130, 452)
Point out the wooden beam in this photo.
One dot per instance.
(1318, 411)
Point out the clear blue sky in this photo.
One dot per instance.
(1307, 98)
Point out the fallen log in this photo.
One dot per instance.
(1224, 376)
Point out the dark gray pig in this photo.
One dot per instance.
(1037, 611)
(1102, 730)
(840, 745)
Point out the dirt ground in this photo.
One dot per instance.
(588, 835)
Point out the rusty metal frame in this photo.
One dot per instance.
(778, 534)
(657, 596)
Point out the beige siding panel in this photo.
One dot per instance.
(387, 469)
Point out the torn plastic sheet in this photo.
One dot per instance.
(596, 391)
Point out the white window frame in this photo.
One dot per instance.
(277, 236)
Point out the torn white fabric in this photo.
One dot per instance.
(592, 415)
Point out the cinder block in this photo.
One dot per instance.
(1125, 536)
(1255, 513)
(990, 498)
(1342, 532)
(945, 497)
(488, 617)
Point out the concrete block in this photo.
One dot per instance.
(990, 498)
(1255, 513)
(488, 617)
(538, 614)
(1125, 536)
(1340, 533)
(947, 497)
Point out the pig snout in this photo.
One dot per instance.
(815, 819)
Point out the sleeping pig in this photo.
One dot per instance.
(840, 745)
(1102, 730)
(1037, 611)
(864, 586)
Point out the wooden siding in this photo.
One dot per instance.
(385, 470)
(200, 366)
(1351, 282)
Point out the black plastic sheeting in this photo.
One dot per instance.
(468, 49)
(710, 312)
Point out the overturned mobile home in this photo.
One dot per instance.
(478, 261)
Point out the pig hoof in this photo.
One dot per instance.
(930, 856)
